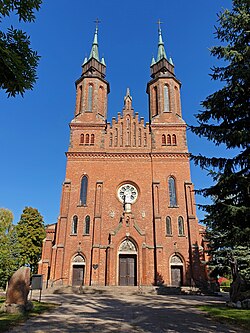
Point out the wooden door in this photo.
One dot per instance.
(127, 270)
(78, 275)
(176, 276)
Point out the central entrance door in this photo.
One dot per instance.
(176, 267)
(78, 269)
(127, 270)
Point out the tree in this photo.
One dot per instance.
(30, 233)
(9, 250)
(225, 120)
(18, 61)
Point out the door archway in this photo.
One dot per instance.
(78, 270)
(127, 256)
(176, 269)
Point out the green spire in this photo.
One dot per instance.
(152, 61)
(94, 50)
(84, 61)
(161, 50)
(103, 61)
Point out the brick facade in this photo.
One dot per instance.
(101, 238)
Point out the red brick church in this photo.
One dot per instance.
(127, 213)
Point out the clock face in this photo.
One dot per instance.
(127, 193)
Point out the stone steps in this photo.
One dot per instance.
(123, 290)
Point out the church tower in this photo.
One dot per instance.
(164, 103)
(127, 214)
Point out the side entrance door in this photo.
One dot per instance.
(176, 276)
(127, 270)
(78, 275)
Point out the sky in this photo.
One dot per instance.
(34, 131)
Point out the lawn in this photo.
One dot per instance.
(236, 317)
(10, 320)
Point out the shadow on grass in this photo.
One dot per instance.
(9, 320)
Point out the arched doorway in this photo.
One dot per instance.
(176, 268)
(78, 270)
(127, 263)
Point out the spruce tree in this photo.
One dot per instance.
(30, 232)
(225, 121)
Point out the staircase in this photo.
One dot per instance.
(123, 290)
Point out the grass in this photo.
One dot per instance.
(8, 320)
(236, 317)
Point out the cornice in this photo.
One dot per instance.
(86, 125)
(120, 156)
(164, 125)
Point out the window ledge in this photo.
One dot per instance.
(173, 206)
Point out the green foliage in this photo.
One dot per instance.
(225, 120)
(6, 219)
(228, 315)
(30, 232)
(9, 249)
(18, 61)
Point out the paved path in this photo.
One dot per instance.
(125, 313)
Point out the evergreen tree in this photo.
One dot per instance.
(18, 61)
(30, 232)
(9, 250)
(225, 120)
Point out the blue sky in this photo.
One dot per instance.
(34, 130)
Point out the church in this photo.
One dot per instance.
(127, 212)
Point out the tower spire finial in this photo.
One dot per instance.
(94, 50)
(97, 21)
(159, 24)
(161, 50)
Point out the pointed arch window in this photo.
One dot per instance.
(139, 138)
(90, 98)
(155, 98)
(177, 100)
(174, 139)
(101, 100)
(172, 192)
(74, 225)
(84, 190)
(168, 226)
(116, 137)
(80, 99)
(134, 143)
(181, 226)
(163, 140)
(87, 225)
(111, 140)
(166, 98)
(168, 139)
(92, 139)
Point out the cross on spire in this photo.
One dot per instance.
(97, 21)
(159, 22)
